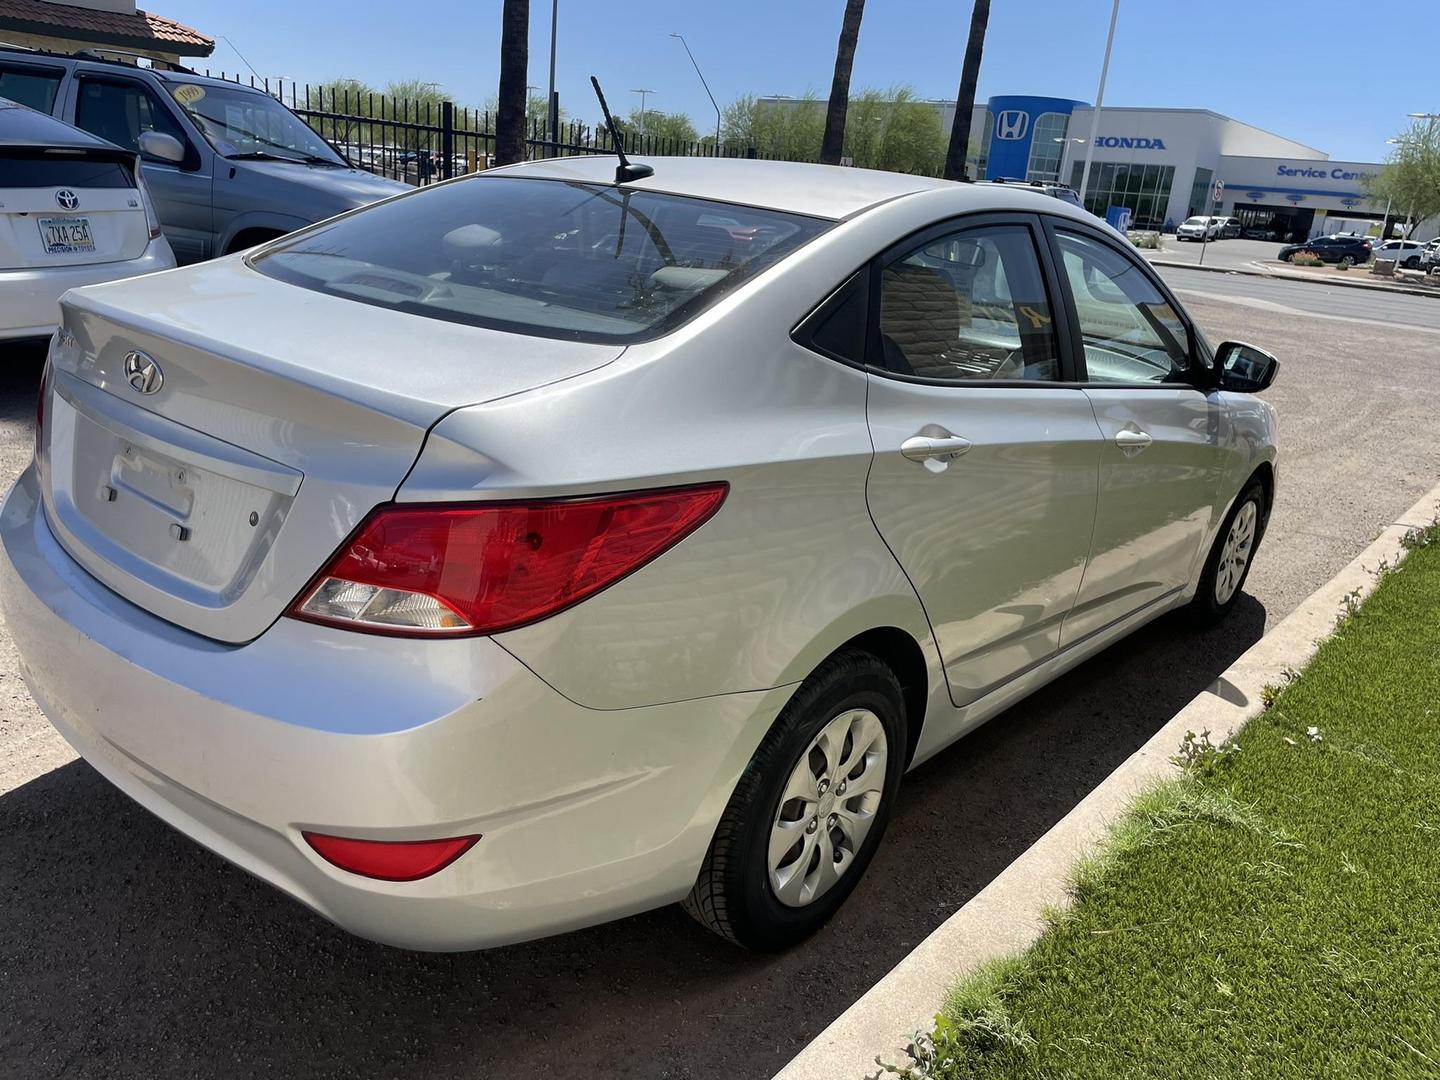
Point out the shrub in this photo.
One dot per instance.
(1307, 258)
(1148, 240)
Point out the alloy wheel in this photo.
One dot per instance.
(1235, 555)
(827, 807)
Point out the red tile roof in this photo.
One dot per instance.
(142, 30)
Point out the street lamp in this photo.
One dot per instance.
(642, 92)
(1099, 101)
(707, 87)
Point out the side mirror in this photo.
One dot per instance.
(1244, 369)
(157, 144)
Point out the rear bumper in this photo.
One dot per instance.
(586, 815)
(30, 299)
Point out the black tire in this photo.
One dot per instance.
(732, 896)
(1347, 261)
(1411, 263)
(1205, 610)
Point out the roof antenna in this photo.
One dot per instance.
(625, 171)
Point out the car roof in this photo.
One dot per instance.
(21, 125)
(828, 191)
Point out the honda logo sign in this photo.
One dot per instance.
(1011, 124)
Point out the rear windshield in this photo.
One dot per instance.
(543, 257)
(54, 169)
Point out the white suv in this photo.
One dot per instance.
(1199, 228)
(73, 211)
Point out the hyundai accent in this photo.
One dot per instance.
(550, 545)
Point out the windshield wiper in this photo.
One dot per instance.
(307, 159)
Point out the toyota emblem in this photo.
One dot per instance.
(67, 199)
(142, 373)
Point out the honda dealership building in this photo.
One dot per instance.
(1163, 164)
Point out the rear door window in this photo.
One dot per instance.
(550, 258)
(36, 87)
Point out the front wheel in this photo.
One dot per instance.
(809, 810)
(1231, 556)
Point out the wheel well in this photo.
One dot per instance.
(1265, 473)
(248, 238)
(903, 655)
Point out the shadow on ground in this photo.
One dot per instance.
(127, 951)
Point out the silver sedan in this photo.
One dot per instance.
(539, 548)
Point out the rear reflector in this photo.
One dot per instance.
(482, 568)
(390, 860)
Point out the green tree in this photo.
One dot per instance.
(1410, 182)
(410, 101)
(349, 97)
(791, 129)
(832, 141)
(894, 130)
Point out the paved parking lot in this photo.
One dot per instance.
(127, 951)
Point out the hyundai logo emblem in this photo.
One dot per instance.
(142, 373)
(1011, 124)
(67, 199)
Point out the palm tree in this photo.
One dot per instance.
(965, 103)
(834, 141)
(514, 59)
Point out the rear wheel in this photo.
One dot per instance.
(809, 810)
(1230, 558)
(1347, 261)
(1412, 262)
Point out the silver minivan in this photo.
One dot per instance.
(228, 166)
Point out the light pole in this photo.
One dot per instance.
(707, 87)
(643, 92)
(1099, 101)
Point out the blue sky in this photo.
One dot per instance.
(1271, 64)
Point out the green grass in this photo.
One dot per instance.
(1275, 913)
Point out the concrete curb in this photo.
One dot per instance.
(1006, 916)
(1284, 275)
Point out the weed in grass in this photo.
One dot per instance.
(1198, 754)
(976, 1023)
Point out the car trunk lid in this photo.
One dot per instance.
(65, 206)
(211, 437)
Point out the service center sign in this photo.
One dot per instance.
(1324, 171)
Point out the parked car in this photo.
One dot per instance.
(1349, 250)
(1199, 228)
(1260, 232)
(73, 211)
(1230, 228)
(228, 166)
(1430, 254)
(536, 549)
(1406, 253)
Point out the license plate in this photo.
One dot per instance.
(67, 236)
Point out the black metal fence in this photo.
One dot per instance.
(420, 142)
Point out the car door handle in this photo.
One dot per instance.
(1130, 439)
(929, 447)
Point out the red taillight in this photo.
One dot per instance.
(390, 860)
(480, 569)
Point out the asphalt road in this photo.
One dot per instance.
(1333, 302)
(1233, 252)
(127, 951)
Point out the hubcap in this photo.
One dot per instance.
(827, 807)
(1235, 555)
